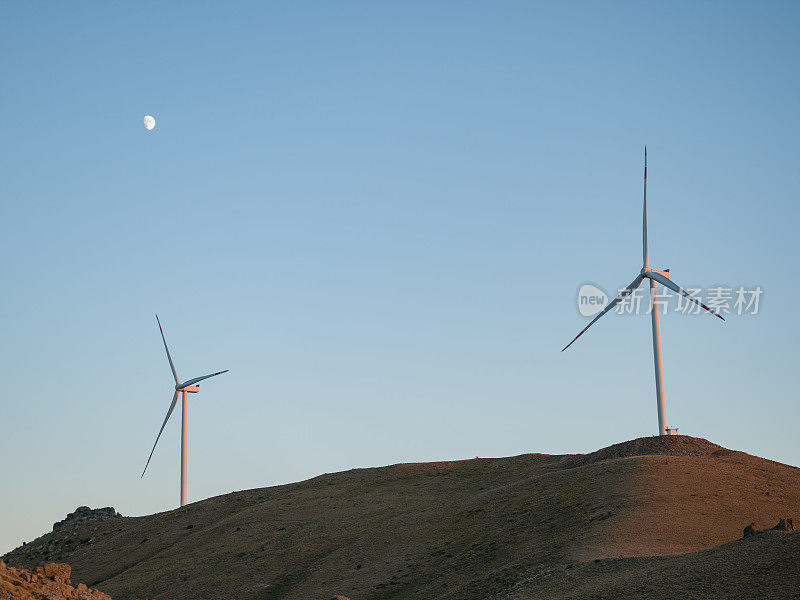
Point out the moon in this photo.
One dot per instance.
(149, 122)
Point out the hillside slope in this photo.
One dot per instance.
(473, 528)
(764, 566)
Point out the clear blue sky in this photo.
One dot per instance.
(377, 216)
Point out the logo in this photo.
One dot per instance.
(591, 300)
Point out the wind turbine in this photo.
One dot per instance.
(655, 277)
(180, 388)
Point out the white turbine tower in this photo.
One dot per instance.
(655, 277)
(180, 388)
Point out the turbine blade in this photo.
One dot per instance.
(676, 288)
(623, 294)
(171, 366)
(645, 253)
(196, 379)
(160, 431)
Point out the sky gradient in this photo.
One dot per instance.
(377, 216)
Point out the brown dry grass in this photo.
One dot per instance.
(678, 504)
(511, 527)
(763, 567)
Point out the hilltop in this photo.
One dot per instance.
(529, 526)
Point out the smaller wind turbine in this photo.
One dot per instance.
(182, 388)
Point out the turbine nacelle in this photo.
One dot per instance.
(192, 389)
(646, 270)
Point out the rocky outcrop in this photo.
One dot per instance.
(49, 581)
(784, 525)
(749, 530)
(84, 514)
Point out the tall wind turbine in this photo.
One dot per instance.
(655, 277)
(180, 388)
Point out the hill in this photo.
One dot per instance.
(519, 527)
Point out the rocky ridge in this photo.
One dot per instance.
(84, 514)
